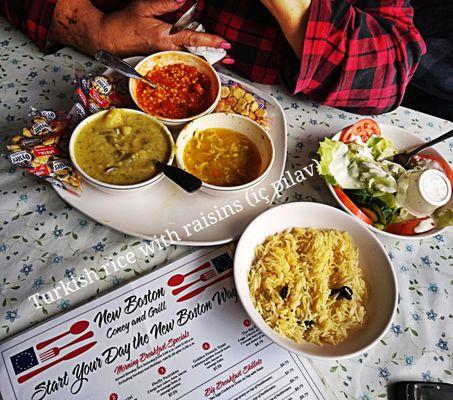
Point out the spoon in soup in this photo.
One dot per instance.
(190, 183)
(121, 66)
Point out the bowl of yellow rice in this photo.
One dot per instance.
(315, 281)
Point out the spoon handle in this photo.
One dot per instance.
(51, 340)
(186, 20)
(439, 139)
(118, 65)
(182, 178)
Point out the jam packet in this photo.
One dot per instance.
(235, 98)
(41, 149)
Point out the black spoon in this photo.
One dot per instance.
(184, 179)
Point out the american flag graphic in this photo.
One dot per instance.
(24, 360)
(222, 263)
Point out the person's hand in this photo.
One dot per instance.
(135, 30)
(292, 16)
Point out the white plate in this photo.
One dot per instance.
(150, 213)
(373, 258)
(403, 140)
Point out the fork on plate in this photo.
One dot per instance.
(404, 158)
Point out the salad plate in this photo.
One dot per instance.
(402, 140)
(197, 218)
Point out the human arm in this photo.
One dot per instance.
(292, 16)
(131, 30)
(358, 56)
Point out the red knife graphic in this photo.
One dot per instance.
(66, 357)
(201, 288)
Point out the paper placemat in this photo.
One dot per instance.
(178, 333)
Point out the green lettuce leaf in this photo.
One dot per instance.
(381, 147)
(326, 150)
(389, 200)
(354, 166)
(392, 168)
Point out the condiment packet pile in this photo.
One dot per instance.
(238, 100)
(41, 149)
(97, 93)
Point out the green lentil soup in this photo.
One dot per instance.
(120, 147)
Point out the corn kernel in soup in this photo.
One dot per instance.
(222, 157)
(120, 147)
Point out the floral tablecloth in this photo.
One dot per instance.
(43, 240)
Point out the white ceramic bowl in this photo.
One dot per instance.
(239, 124)
(374, 261)
(403, 140)
(171, 57)
(107, 187)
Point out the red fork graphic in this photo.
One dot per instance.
(54, 351)
(203, 278)
(193, 293)
(66, 357)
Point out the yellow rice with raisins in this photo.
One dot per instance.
(307, 285)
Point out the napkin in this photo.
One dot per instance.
(210, 54)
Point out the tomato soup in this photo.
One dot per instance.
(222, 157)
(182, 91)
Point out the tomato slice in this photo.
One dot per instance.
(405, 227)
(349, 204)
(363, 129)
(448, 170)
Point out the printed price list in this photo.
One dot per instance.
(270, 373)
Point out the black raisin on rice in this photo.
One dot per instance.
(344, 292)
(284, 292)
(309, 323)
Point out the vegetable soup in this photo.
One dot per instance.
(120, 147)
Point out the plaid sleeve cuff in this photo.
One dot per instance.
(38, 23)
(360, 56)
(31, 17)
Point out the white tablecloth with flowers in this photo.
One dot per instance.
(44, 240)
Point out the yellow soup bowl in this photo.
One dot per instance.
(115, 150)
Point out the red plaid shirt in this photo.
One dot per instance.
(357, 55)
